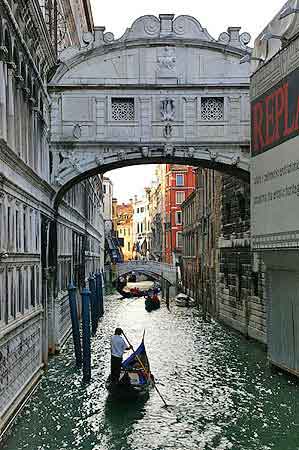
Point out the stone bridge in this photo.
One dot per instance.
(165, 92)
(162, 270)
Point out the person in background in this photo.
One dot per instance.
(118, 347)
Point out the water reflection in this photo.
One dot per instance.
(222, 392)
(120, 420)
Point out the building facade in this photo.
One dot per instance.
(41, 249)
(108, 196)
(179, 184)
(218, 267)
(141, 228)
(124, 228)
(156, 212)
(190, 263)
(201, 231)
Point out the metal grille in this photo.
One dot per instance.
(123, 109)
(212, 108)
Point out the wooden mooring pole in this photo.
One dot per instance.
(99, 288)
(86, 335)
(75, 324)
(93, 304)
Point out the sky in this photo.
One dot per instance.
(215, 16)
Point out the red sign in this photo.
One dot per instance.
(275, 115)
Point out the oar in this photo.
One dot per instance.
(145, 370)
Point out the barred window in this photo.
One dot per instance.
(123, 109)
(212, 108)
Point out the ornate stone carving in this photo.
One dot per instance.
(190, 152)
(99, 160)
(87, 37)
(232, 37)
(26, 92)
(77, 131)
(213, 156)
(167, 108)
(151, 25)
(224, 38)
(69, 159)
(235, 160)
(11, 65)
(245, 38)
(19, 80)
(145, 151)
(108, 37)
(122, 155)
(188, 27)
(3, 51)
(168, 150)
(167, 131)
(167, 60)
(58, 180)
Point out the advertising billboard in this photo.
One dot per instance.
(275, 166)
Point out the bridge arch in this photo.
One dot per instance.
(166, 91)
(159, 269)
(236, 167)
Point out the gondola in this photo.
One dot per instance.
(152, 302)
(135, 378)
(132, 293)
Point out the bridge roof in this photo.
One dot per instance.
(149, 31)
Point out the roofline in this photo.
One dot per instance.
(118, 45)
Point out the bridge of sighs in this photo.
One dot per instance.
(166, 91)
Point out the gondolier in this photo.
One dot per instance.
(118, 347)
(135, 377)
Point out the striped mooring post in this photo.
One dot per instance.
(75, 324)
(93, 304)
(86, 335)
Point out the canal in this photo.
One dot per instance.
(221, 392)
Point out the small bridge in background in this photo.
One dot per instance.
(154, 268)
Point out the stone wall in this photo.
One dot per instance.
(241, 279)
(20, 363)
(38, 249)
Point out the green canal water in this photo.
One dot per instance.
(221, 392)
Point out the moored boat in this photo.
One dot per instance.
(135, 378)
(184, 300)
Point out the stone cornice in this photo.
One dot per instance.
(9, 157)
(17, 190)
(135, 146)
(52, 87)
